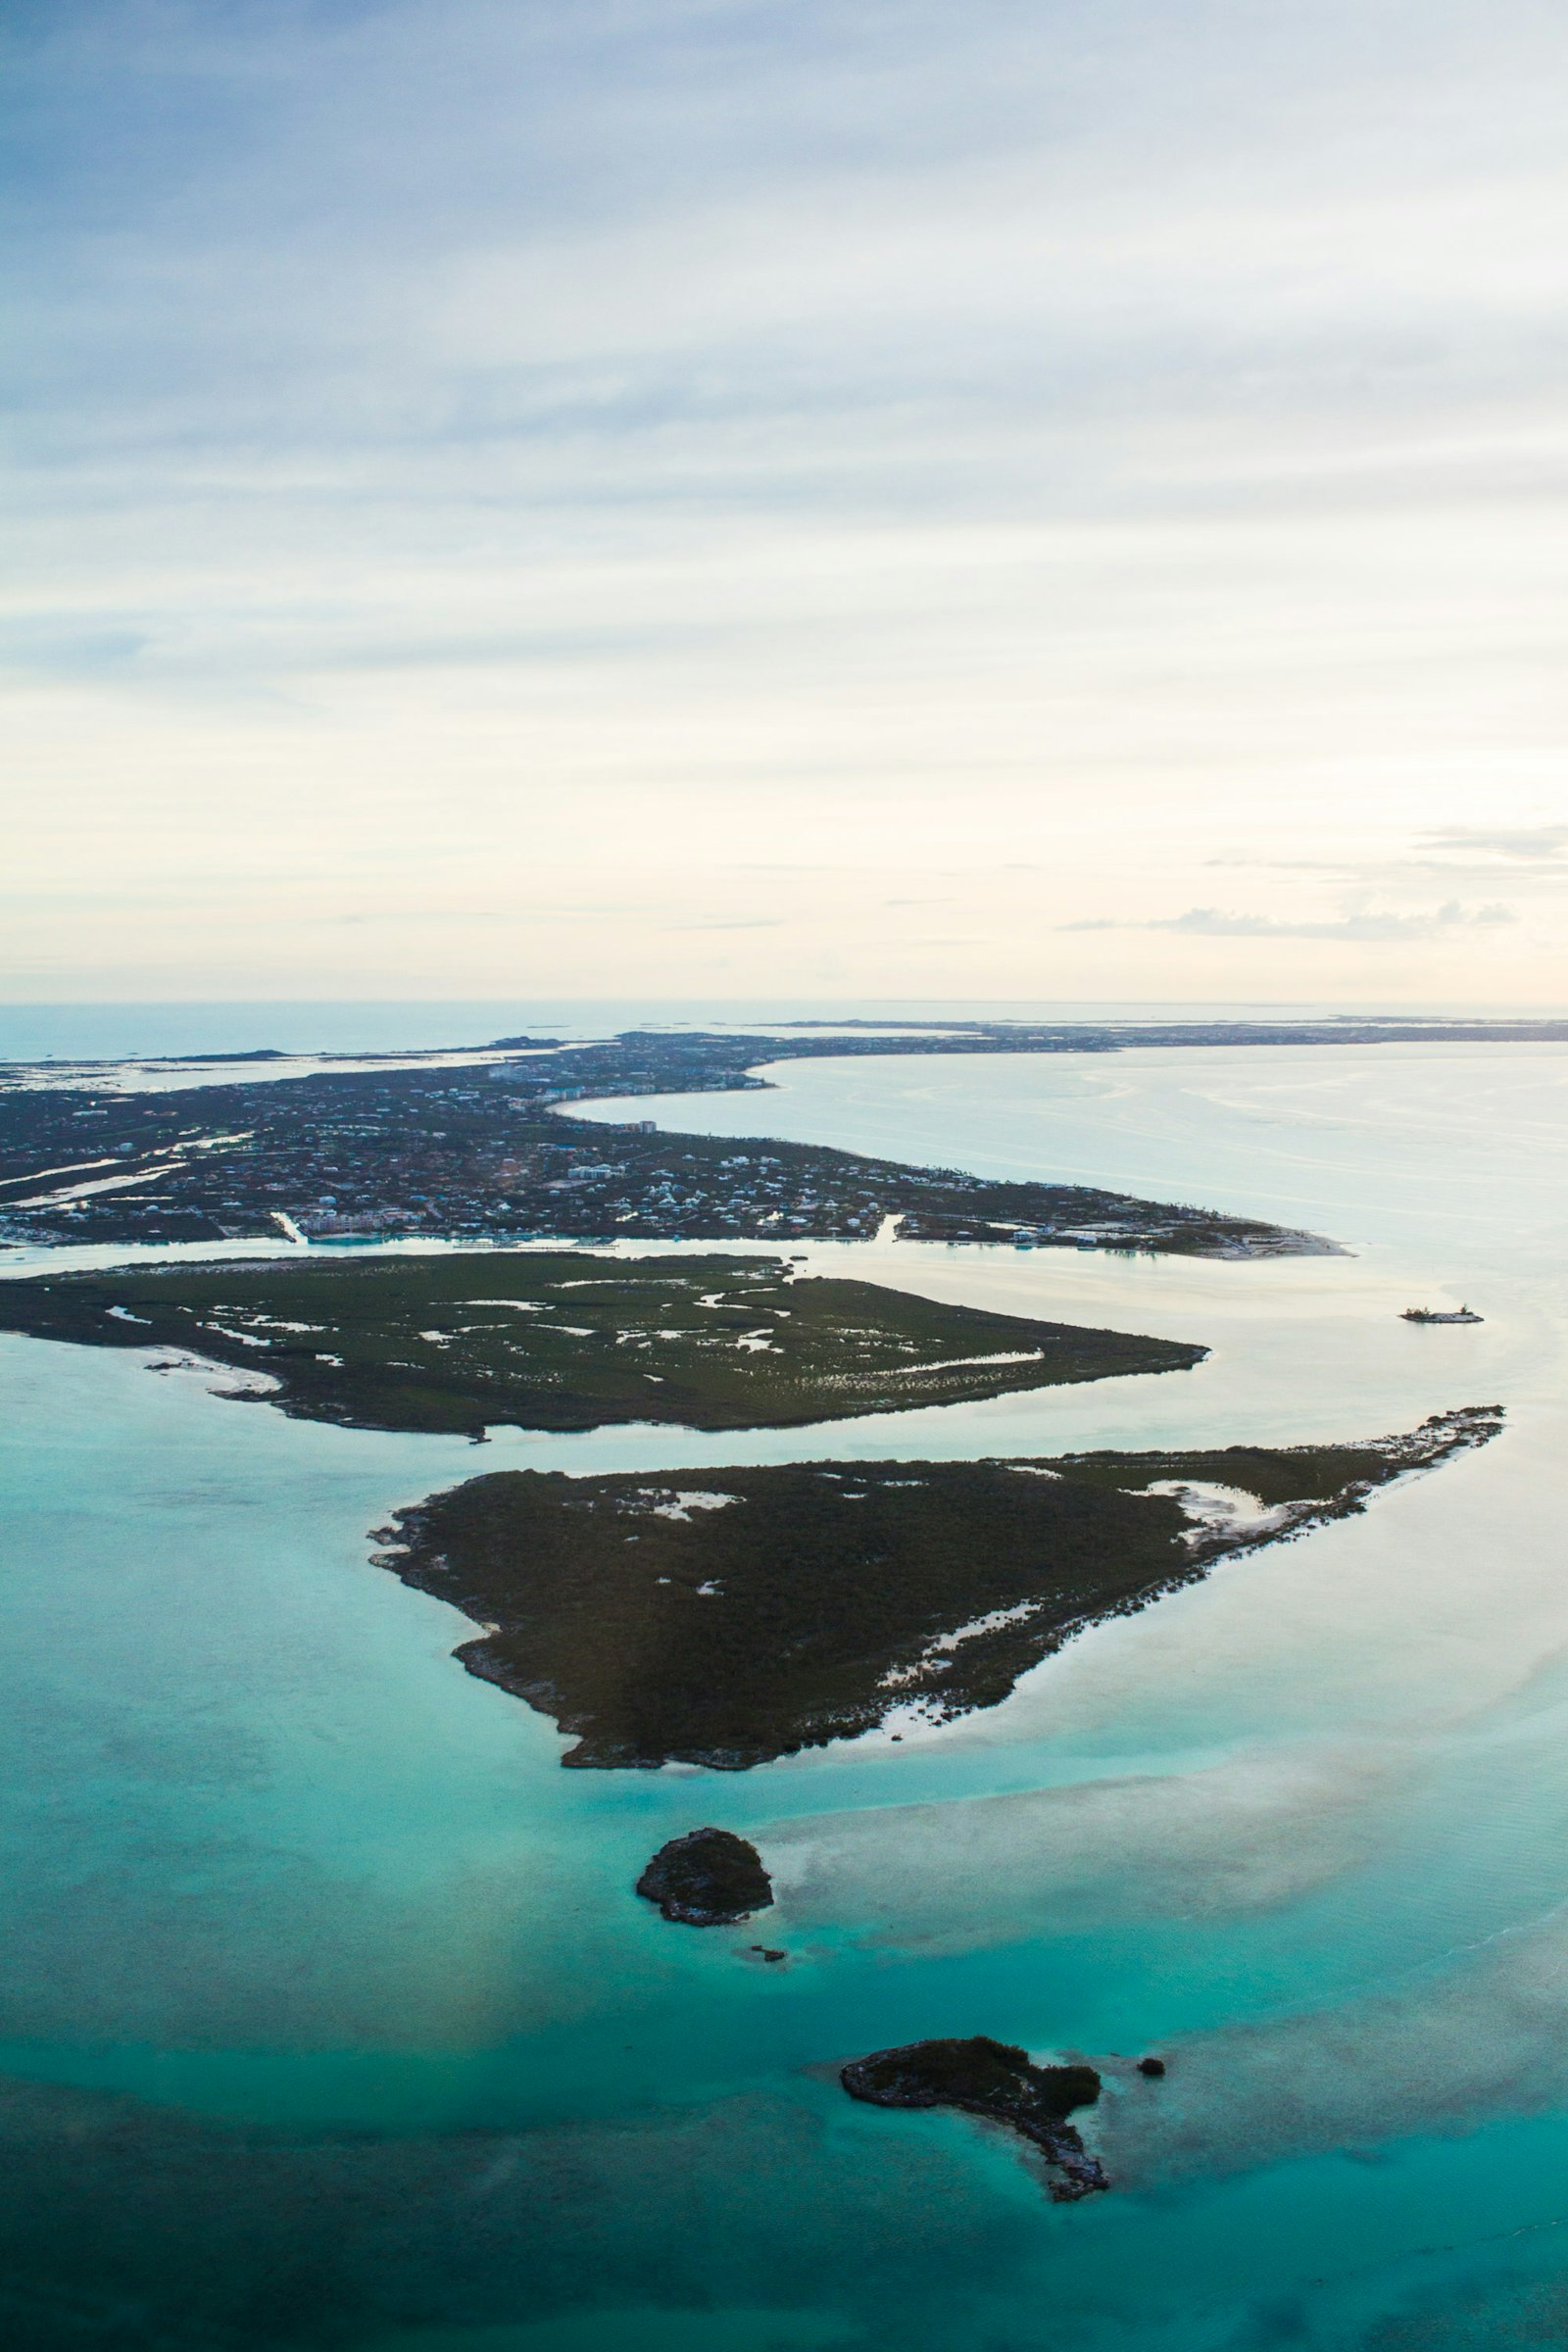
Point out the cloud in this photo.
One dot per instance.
(1529, 843)
(459, 437)
(1214, 922)
(1532, 858)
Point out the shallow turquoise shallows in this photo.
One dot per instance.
(327, 2014)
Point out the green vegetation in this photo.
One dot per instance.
(567, 1341)
(725, 1617)
(1270, 1476)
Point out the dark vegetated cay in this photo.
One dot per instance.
(995, 2079)
(725, 1617)
(560, 1340)
(708, 1879)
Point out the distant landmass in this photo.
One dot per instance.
(494, 1152)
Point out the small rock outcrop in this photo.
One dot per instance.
(994, 2079)
(708, 1879)
(1152, 2066)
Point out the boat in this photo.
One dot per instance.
(1434, 1314)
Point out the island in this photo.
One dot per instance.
(708, 1879)
(725, 1617)
(997, 2081)
(562, 1339)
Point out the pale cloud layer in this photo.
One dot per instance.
(677, 495)
(1356, 930)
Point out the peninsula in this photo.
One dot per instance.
(726, 1617)
(497, 1152)
(488, 1141)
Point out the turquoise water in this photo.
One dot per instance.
(328, 2016)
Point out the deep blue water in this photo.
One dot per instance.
(328, 2017)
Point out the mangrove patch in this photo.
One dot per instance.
(562, 1339)
(725, 1617)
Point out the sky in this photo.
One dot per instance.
(881, 499)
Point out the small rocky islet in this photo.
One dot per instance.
(996, 2080)
(708, 1879)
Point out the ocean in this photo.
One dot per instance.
(327, 2013)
